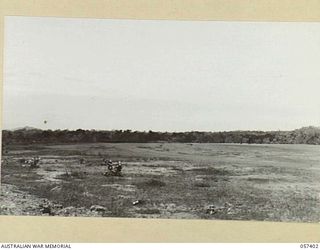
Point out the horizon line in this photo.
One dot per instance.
(147, 131)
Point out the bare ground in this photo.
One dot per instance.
(161, 180)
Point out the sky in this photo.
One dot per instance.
(70, 73)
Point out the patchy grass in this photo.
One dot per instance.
(74, 175)
(274, 183)
(202, 184)
(67, 194)
(210, 171)
(152, 183)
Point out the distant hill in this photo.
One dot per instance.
(29, 135)
(26, 128)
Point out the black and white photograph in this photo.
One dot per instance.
(213, 120)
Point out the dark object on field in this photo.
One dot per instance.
(226, 208)
(22, 161)
(81, 161)
(32, 163)
(118, 167)
(35, 162)
(113, 170)
(211, 209)
(46, 209)
(107, 163)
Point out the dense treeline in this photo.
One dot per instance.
(306, 135)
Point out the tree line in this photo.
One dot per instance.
(306, 135)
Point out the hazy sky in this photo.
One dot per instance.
(160, 75)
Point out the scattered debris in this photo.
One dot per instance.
(67, 211)
(137, 202)
(97, 208)
(57, 206)
(56, 189)
(31, 163)
(212, 209)
(227, 204)
(46, 208)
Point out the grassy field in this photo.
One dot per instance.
(167, 180)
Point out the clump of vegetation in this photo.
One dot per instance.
(68, 194)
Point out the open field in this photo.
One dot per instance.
(165, 180)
